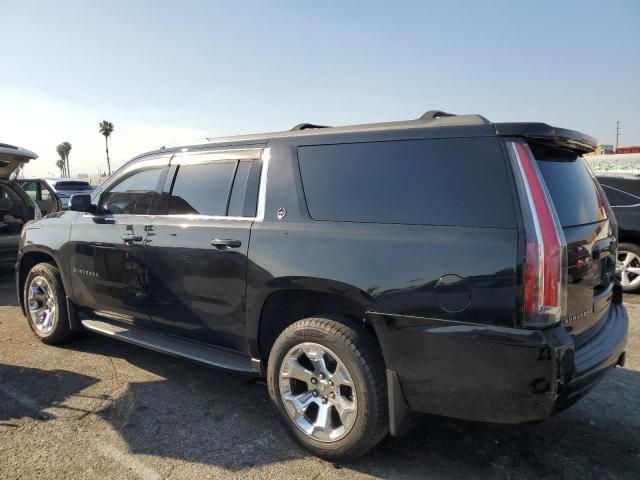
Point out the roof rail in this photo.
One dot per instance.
(473, 119)
(433, 114)
(307, 126)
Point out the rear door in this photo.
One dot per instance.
(591, 237)
(107, 248)
(197, 248)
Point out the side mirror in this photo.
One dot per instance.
(80, 202)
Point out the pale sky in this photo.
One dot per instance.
(167, 72)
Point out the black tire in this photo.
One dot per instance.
(60, 331)
(358, 350)
(634, 249)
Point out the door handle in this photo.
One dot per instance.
(131, 238)
(222, 244)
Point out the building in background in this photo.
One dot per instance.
(634, 149)
(602, 150)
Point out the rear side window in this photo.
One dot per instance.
(458, 182)
(570, 184)
(202, 189)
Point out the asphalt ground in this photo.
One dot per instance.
(98, 408)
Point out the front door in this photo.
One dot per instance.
(197, 252)
(107, 248)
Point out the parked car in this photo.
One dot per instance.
(16, 208)
(47, 191)
(623, 192)
(42, 194)
(439, 265)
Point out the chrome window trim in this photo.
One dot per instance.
(195, 216)
(229, 155)
(262, 188)
(195, 158)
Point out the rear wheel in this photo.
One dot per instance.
(628, 267)
(45, 304)
(327, 380)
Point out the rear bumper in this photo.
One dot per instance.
(493, 374)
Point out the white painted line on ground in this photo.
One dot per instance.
(127, 460)
(24, 400)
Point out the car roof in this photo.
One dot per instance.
(433, 122)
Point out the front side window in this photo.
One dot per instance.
(202, 189)
(133, 194)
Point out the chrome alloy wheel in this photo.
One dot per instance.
(41, 303)
(318, 392)
(628, 268)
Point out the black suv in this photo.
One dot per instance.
(447, 265)
(623, 193)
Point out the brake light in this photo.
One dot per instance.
(545, 269)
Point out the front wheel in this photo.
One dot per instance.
(45, 304)
(327, 381)
(628, 267)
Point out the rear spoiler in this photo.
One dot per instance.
(561, 137)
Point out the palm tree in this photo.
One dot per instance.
(61, 163)
(106, 129)
(67, 149)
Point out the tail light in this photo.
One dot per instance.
(545, 268)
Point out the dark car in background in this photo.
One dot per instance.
(16, 207)
(48, 192)
(437, 265)
(623, 192)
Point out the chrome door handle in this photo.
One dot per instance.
(131, 238)
(222, 244)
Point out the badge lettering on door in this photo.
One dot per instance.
(86, 273)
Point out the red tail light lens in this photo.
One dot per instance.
(545, 269)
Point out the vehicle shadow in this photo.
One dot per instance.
(213, 417)
(35, 393)
(8, 296)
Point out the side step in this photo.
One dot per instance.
(178, 347)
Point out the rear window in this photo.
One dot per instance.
(458, 182)
(73, 186)
(570, 184)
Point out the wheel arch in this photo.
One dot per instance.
(28, 259)
(286, 301)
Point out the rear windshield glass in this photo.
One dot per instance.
(73, 186)
(570, 184)
(457, 182)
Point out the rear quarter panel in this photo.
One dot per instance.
(388, 268)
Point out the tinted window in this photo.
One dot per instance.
(570, 184)
(461, 182)
(73, 186)
(619, 197)
(202, 189)
(239, 191)
(133, 194)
